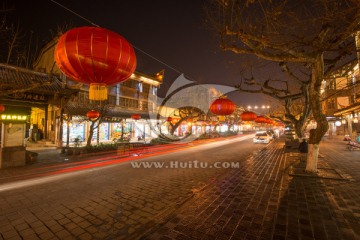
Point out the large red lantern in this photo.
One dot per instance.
(222, 106)
(2, 108)
(136, 116)
(248, 116)
(261, 119)
(95, 56)
(92, 115)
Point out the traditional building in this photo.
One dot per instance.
(48, 105)
(21, 91)
(137, 95)
(341, 96)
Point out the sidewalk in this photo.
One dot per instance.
(267, 200)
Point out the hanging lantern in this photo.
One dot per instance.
(92, 115)
(270, 121)
(260, 119)
(2, 108)
(136, 116)
(95, 56)
(169, 119)
(222, 106)
(248, 116)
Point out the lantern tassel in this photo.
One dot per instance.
(98, 91)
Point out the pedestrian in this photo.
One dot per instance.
(303, 146)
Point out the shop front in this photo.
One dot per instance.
(349, 118)
(13, 133)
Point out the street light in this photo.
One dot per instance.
(256, 107)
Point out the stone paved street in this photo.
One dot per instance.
(262, 199)
(114, 202)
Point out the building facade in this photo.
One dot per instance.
(137, 95)
(341, 97)
(53, 102)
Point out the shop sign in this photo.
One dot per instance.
(13, 117)
(112, 119)
(28, 96)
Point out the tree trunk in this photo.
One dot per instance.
(299, 129)
(172, 129)
(91, 133)
(175, 126)
(98, 135)
(321, 122)
(122, 132)
(312, 158)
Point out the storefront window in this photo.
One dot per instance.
(75, 131)
(118, 128)
(103, 132)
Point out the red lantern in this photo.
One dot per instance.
(169, 119)
(248, 116)
(95, 56)
(92, 115)
(2, 108)
(270, 121)
(260, 119)
(136, 116)
(222, 106)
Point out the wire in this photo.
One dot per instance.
(75, 13)
(142, 51)
(157, 59)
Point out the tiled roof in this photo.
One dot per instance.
(15, 79)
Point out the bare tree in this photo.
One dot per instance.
(312, 34)
(16, 47)
(234, 118)
(185, 114)
(294, 112)
(95, 123)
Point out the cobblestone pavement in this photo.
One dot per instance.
(261, 200)
(113, 202)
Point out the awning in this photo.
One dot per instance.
(75, 109)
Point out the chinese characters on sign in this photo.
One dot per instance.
(29, 96)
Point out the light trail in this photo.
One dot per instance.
(85, 166)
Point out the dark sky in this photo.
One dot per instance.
(172, 31)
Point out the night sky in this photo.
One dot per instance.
(174, 32)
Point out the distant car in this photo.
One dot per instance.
(262, 137)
